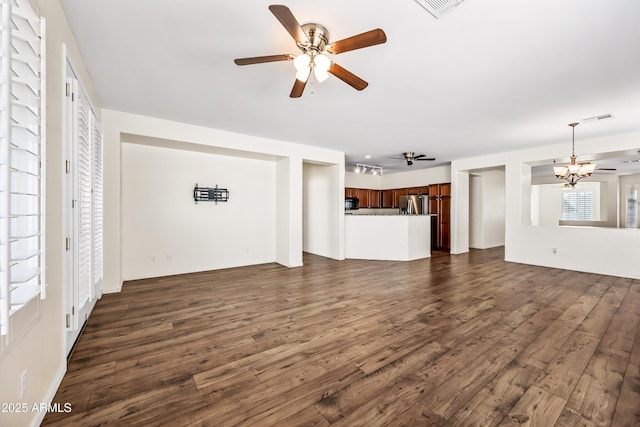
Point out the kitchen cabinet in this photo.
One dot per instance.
(397, 192)
(350, 192)
(440, 205)
(363, 196)
(374, 198)
(387, 198)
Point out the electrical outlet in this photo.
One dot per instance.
(23, 384)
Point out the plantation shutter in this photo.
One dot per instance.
(577, 205)
(97, 204)
(585, 206)
(22, 160)
(569, 205)
(84, 198)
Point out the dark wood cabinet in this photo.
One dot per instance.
(440, 205)
(444, 238)
(350, 192)
(397, 192)
(387, 198)
(363, 196)
(374, 199)
(414, 190)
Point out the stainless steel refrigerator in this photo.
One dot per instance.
(414, 204)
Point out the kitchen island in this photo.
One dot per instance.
(387, 237)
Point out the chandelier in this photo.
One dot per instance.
(574, 172)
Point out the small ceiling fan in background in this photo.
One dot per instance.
(313, 41)
(411, 157)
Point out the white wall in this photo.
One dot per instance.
(494, 208)
(476, 208)
(414, 178)
(362, 180)
(320, 185)
(120, 128)
(164, 232)
(609, 251)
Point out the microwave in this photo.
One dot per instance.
(351, 203)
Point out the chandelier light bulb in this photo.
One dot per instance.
(590, 168)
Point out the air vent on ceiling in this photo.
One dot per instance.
(439, 7)
(597, 118)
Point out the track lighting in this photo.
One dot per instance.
(374, 170)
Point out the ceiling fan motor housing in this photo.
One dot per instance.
(318, 38)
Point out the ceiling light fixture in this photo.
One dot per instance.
(574, 172)
(312, 60)
(374, 170)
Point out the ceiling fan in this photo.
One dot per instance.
(313, 41)
(411, 157)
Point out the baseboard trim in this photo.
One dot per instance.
(51, 394)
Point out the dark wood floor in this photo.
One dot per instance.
(465, 340)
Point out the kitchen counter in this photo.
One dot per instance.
(387, 237)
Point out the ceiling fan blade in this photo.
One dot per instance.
(424, 158)
(370, 38)
(298, 88)
(606, 169)
(262, 59)
(347, 76)
(289, 22)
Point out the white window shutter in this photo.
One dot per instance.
(97, 204)
(22, 161)
(83, 206)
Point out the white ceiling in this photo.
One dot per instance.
(490, 76)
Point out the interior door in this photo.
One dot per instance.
(79, 292)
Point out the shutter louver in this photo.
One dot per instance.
(84, 211)
(97, 207)
(21, 159)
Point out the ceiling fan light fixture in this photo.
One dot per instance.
(303, 75)
(321, 75)
(321, 65)
(301, 62)
(322, 62)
